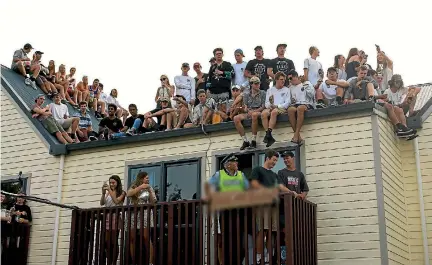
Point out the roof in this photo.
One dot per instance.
(24, 97)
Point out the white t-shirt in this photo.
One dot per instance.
(185, 86)
(239, 78)
(59, 111)
(103, 97)
(112, 100)
(329, 91)
(303, 93)
(281, 97)
(313, 67)
(395, 98)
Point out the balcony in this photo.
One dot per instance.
(14, 243)
(178, 234)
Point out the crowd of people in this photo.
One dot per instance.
(229, 92)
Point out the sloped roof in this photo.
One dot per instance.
(24, 97)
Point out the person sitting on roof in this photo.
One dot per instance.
(62, 80)
(399, 101)
(227, 111)
(110, 126)
(180, 115)
(203, 110)
(44, 115)
(303, 99)
(134, 123)
(166, 116)
(83, 92)
(112, 99)
(60, 113)
(22, 65)
(94, 93)
(46, 86)
(85, 130)
(361, 87)
(100, 112)
(332, 90)
(71, 89)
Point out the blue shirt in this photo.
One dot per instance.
(214, 181)
(85, 121)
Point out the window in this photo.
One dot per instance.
(13, 185)
(172, 180)
(249, 160)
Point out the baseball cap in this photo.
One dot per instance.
(164, 99)
(28, 46)
(235, 87)
(281, 45)
(196, 64)
(287, 153)
(212, 59)
(258, 48)
(39, 52)
(239, 51)
(185, 65)
(254, 79)
(39, 96)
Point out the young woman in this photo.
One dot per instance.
(384, 69)
(339, 64)
(141, 193)
(166, 90)
(62, 80)
(20, 212)
(112, 99)
(112, 195)
(71, 90)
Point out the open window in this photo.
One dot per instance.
(13, 184)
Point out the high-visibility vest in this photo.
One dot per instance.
(231, 183)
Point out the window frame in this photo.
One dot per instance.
(163, 171)
(15, 178)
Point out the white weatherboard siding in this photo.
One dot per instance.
(22, 150)
(394, 194)
(425, 148)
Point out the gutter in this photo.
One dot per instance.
(57, 218)
(422, 210)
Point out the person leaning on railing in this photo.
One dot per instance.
(229, 179)
(112, 195)
(21, 212)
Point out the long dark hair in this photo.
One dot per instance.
(336, 61)
(138, 181)
(119, 189)
(352, 52)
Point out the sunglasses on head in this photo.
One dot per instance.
(250, 83)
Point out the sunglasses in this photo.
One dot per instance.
(163, 79)
(250, 83)
(218, 53)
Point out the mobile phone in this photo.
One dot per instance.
(377, 48)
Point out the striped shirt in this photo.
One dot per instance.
(85, 121)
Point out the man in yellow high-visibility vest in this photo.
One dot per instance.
(229, 178)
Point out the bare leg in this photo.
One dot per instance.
(370, 89)
(67, 137)
(35, 69)
(265, 119)
(238, 123)
(292, 117)
(44, 88)
(273, 119)
(391, 113)
(255, 117)
(319, 94)
(184, 112)
(401, 115)
(21, 68)
(79, 96)
(300, 118)
(61, 90)
(60, 137)
(75, 123)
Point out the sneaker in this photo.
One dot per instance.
(334, 104)
(27, 81)
(253, 144)
(320, 106)
(130, 132)
(270, 141)
(64, 101)
(244, 145)
(33, 85)
(404, 131)
(93, 138)
(98, 115)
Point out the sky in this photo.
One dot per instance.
(129, 44)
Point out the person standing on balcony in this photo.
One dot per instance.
(292, 178)
(112, 195)
(141, 193)
(229, 179)
(21, 212)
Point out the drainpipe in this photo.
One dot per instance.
(422, 211)
(57, 218)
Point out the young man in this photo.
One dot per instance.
(264, 177)
(303, 96)
(110, 127)
(292, 178)
(60, 113)
(278, 98)
(134, 122)
(203, 111)
(331, 92)
(280, 63)
(22, 65)
(185, 85)
(258, 67)
(112, 99)
(46, 86)
(94, 94)
(170, 117)
(360, 87)
(200, 80)
(254, 103)
(400, 101)
(83, 91)
(219, 81)
(313, 71)
(45, 116)
(85, 130)
(239, 67)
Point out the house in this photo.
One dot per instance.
(373, 190)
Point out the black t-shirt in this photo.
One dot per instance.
(26, 209)
(350, 69)
(264, 176)
(283, 65)
(159, 118)
(130, 121)
(202, 85)
(293, 180)
(218, 84)
(259, 68)
(115, 125)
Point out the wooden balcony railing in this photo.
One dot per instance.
(14, 243)
(176, 233)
